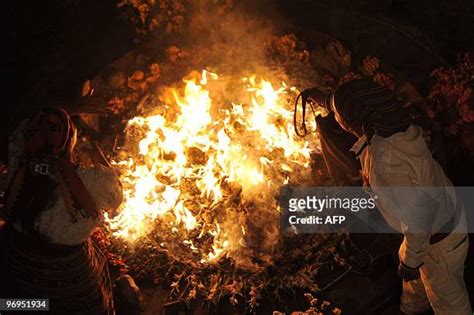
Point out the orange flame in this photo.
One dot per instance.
(206, 146)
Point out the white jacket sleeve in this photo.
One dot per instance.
(416, 226)
(411, 207)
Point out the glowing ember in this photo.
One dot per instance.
(195, 154)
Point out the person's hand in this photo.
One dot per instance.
(309, 96)
(408, 273)
(315, 95)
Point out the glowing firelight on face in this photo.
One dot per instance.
(238, 143)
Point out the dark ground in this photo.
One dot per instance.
(50, 47)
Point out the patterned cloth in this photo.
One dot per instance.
(368, 107)
(74, 278)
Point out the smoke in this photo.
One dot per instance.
(233, 37)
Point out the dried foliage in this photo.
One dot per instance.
(334, 64)
(451, 101)
(335, 67)
(299, 260)
(287, 48)
(152, 15)
(124, 91)
(331, 62)
(318, 307)
(291, 54)
(167, 16)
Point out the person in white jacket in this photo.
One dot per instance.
(413, 194)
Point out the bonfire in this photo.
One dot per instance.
(203, 167)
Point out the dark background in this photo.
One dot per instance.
(51, 47)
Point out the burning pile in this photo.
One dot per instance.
(202, 161)
(203, 171)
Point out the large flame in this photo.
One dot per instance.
(194, 151)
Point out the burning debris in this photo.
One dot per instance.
(207, 170)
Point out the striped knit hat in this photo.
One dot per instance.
(370, 108)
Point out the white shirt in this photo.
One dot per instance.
(400, 168)
(56, 223)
